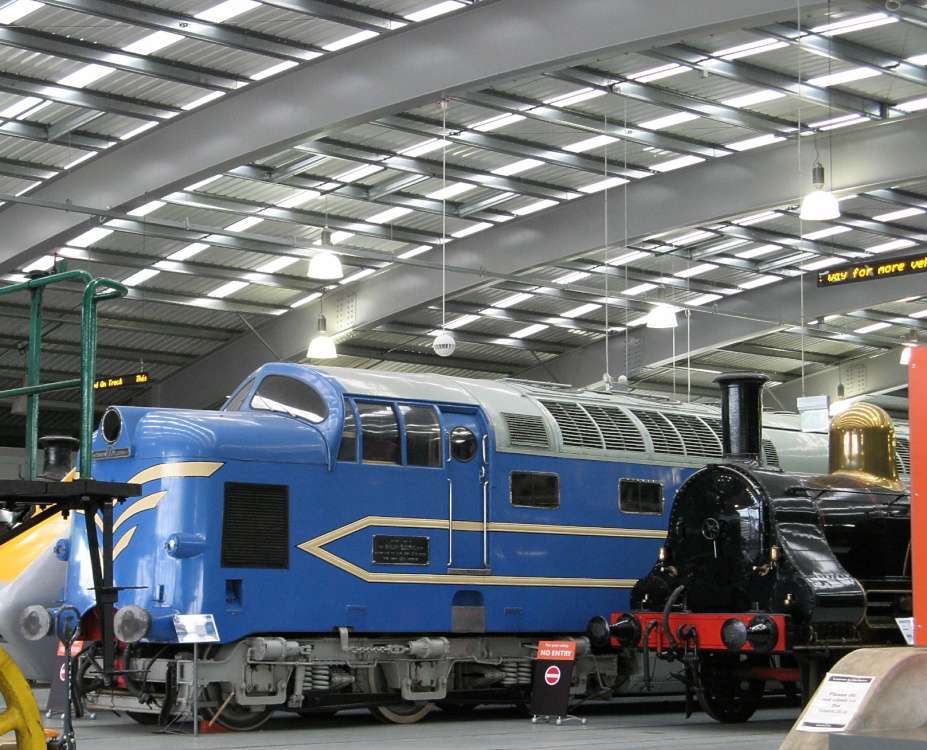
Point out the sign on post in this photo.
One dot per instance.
(553, 671)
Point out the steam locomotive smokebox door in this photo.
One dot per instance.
(553, 672)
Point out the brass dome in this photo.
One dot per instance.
(862, 446)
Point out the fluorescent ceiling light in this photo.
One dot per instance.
(688, 273)
(152, 43)
(211, 96)
(385, 217)
(202, 183)
(904, 213)
(596, 187)
(146, 209)
(529, 331)
(581, 310)
(517, 167)
(639, 289)
(625, 258)
(565, 100)
(137, 131)
(669, 120)
(242, 224)
(827, 232)
(757, 142)
(305, 300)
(757, 218)
(472, 229)
(225, 11)
(655, 74)
(704, 299)
(341, 237)
(823, 263)
(729, 245)
(414, 251)
(11, 13)
(494, 123)
(889, 246)
(141, 276)
(845, 76)
(451, 191)
(533, 207)
(751, 48)
(757, 97)
(854, 24)
(682, 161)
(85, 76)
(688, 239)
(425, 147)
(434, 10)
(571, 277)
(589, 143)
(463, 320)
(21, 106)
(914, 105)
(512, 300)
(838, 122)
(226, 289)
(274, 69)
(357, 276)
(89, 237)
(348, 41)
(185, 253)
(298, 199)
(358, 173)
(872, 327)
(758, 252)
(79, 160)
(759, 281)
(277, 264)
(45, 263)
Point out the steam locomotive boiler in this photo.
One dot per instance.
(772, 575)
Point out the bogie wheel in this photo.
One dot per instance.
(21, 713)
(404, 712)
(722, 695)
(232, 715)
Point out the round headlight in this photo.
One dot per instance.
(734, 634)
(35, 622)
(763, 633)
(111, 425)
(131, 623)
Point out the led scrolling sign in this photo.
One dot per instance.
(886, 269)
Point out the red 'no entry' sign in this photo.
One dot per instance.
(552, 675)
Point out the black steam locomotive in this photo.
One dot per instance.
(768, 575)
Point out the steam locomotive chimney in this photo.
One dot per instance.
(742, 415)
(58, 450)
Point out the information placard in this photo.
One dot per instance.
(835, 703)
(196, 628)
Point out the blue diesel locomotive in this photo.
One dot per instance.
(388, 540)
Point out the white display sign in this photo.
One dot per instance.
(196, 628)
(906, 626)
(835, 703)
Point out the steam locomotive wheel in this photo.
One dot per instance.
(405, 712)
(724, 696)
(232, 715)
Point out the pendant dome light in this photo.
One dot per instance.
(322, 347)
(662, 316)
(819, 205)
(325, 264)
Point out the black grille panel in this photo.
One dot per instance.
(619, 432)
(903, 455)
(576, 426)
(662, 433)
(527, 430)
(256, 526)
(699, 438)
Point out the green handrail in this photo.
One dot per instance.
(95, 290)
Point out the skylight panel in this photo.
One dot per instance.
(226, 289)
(639, 289)
(729, 245)
(146, 209)
(626, 258)
(202, 183)
(655, 74)
(358, 173)
(299, 199)
(757, 97)
(341, 237)
(211, 96)
(89, 237)
(600, 185)
(451, 191)
(827, 232)
(822, 263)
(747, 221)
(529, 331)
(45, 263)
(566, 100)
(570, 278)
(472, 230)
(278, 68)
(683, 161)
(434, 10)
(79, 160)
(517, 167)
(914, 105)
(512, 300)
(225, 11)
(277, 264)
(414, 251)
(759, 281)
(85, 76)
(704, 299)
(460, 322)
(590, 143)
(425, 147)
(688, 239)
(757, 252)
(137, 131)
(152, 43)
(348, 41)
(904, 213)
(846, 76)
(305, 300)
(533, 207)
(494, 123)
(872, 327)
(14, 110)
(242, 224)
(14, 11)
(854, 24)
(363, 273)
(676, 118)
(919, 314)
(385, 217)
(185, 253)
(577, 312)
(698, 270)
(751, 48)
(757, 142)
(886, 247)
(140, 277)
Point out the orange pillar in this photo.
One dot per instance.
(917, 400)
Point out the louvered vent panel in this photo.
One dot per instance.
(770, 454)
(697, 436)
(577, 428)
(664, 436)
(903, 455)
(618, 430)
(256, 526)
(526, 430)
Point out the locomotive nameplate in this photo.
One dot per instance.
(400, 550)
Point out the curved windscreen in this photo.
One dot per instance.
(290, 396)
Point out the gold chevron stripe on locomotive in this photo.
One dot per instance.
(316, 546)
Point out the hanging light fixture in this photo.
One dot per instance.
(325, 264)
(909, 343)
(819, 205)
(662, 316)
(322, 347)
(444, 343)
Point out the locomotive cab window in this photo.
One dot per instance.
(534, 489)
(640, 496)
(463, 444)
(348, 448)
(239, 399)
(423, 435)
(290, 396)
(379, 433)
